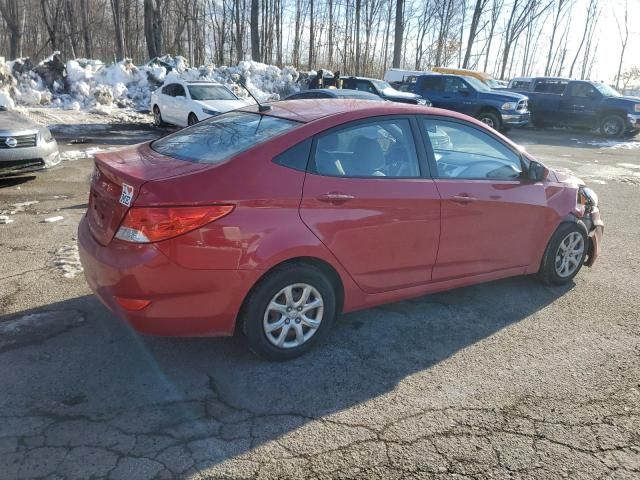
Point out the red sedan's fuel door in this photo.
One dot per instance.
(365, 199)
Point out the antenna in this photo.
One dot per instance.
(261, 108)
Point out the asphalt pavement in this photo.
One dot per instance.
(509, 379)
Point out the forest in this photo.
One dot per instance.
(505, 38)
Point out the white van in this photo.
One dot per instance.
(394, 75)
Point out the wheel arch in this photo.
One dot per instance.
(492, 110)
(324, 266)
(607, 111)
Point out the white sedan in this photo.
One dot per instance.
(184, 103)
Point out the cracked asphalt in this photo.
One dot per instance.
(509, 379)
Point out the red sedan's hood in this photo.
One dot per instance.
(564, 177)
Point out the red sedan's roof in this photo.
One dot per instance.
(309, 110)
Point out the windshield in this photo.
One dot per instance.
(477, 84)
(382, 85)
(211, 92)
(221, 137)
(493, 83)
(606, 90)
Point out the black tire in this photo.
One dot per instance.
(537, 121)
(157, 117)
(192, 119)
(255, 310)
(490, 119)
(612, 126)
(548, 269)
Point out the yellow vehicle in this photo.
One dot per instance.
(482, 76)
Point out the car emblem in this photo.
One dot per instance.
(127, 195)
(11, 142)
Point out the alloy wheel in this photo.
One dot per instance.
(293, 315)
(569, 255)
(488, 121)
(611, 127)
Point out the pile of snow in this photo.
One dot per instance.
(85, 84)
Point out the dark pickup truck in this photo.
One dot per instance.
(499, 109)
(578, 103)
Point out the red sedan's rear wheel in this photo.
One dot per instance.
(289, 311)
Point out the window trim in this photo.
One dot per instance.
(184, 90)
(169, 88)
(432, 160)
(275, 158)
(423, 164)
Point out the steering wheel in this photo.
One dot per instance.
(483, 169)
(397, 169)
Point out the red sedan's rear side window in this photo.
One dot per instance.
(221, 137)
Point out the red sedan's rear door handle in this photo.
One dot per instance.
(335, 197)
(463, 198)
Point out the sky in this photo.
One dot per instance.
(608, 53)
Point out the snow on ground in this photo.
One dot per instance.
(611, 144)
(90, 86)
(71, 155)
(67, 259)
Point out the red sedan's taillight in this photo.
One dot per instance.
(153, 224)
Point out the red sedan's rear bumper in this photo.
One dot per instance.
(183, 302)
(595, 235)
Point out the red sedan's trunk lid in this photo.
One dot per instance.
(116, 182)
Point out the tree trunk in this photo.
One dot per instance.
(255, 33)
(358, 8)
(311, 39)
(624, 38)
(153, 27)
(86, 31)
(11, 12)
(239, 46)
(399, 32)
(475, 20)
(330, 36)
(119, 31)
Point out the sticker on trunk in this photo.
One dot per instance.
(127, 195)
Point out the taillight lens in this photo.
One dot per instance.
(153, 224)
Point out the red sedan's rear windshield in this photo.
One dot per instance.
(221, 137)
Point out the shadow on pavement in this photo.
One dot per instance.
(6, 182)
(206, 401)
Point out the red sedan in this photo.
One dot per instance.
(271, 222)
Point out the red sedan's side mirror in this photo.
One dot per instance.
(537, 171)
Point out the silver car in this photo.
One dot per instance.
(24, 146)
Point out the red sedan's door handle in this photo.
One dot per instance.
(463, 198)
(335, 197)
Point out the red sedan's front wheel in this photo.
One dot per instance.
(565, 254)
(289, 311)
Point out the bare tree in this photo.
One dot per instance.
(557, 17)
(399, 30)
(119, 28)
(153, 27)
(311, 37)
(478, 10)
(523, 12)
(591, 17)
(496, 9)
(255, 33)
(13, 14)
(623, 31)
